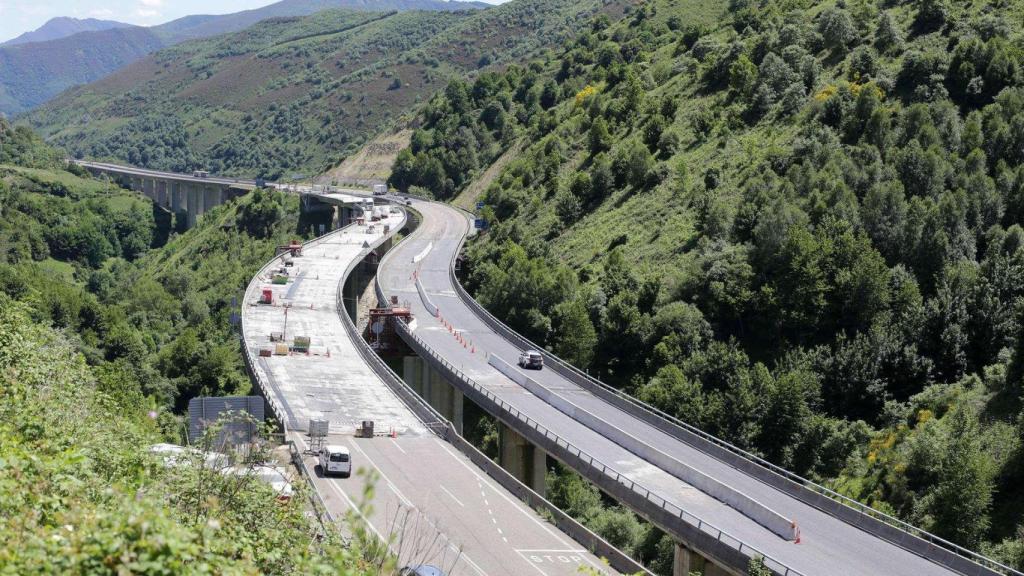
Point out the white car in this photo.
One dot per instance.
(335, 460)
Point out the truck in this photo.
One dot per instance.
(380, 189)
(200, 174)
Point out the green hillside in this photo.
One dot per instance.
(103, 336)
(291, 95)
(796, 225)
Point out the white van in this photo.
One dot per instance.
(335, 460)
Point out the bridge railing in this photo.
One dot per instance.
(596, 465)
(256, 374)
(878, 523)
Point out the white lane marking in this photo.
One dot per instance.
(473, 565)
(550, 550)
(350, 503)
(400, 449)
(457, 501)
(531, 563)
(515, 504)
(391, 484)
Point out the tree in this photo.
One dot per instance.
(671, 391)
(577, 337)
(600, 138)
(931, 14)
(837, 29)
(888, 36)
(958, 508)
(634, 165)
(742, 76)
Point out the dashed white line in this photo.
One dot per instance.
(515, 503)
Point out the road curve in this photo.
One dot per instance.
(453, 514)
(827, 544)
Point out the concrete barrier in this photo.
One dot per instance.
(426, 298)
(419, 257)
(753, 509)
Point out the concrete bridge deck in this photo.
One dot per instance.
(441, 508)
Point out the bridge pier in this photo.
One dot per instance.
(191, 204)
(442, 395)
(521, 459)
(686, 562)
(161, 193)
(175, 197)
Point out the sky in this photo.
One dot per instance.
(18, 16)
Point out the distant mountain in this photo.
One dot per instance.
(63, 27)
(295, 95)
(32, 72)
(193, 27)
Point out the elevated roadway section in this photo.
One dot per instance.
(721, 505)
(432, 498)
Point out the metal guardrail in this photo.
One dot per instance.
(609, 393)
(595, 464)
(315, 499)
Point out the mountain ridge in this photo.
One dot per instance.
(293, 96)
(62, 27)
(33, 73)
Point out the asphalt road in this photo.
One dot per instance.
(442, 509)
(446, 512)
(827, 546)
(145, 172)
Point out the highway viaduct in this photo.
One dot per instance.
(438, 499)
(722, 505)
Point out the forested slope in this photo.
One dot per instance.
(100, 337)
(293, 95)
(796, 225)
(142, 301)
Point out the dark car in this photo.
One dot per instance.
(531, 359)
(421, 570)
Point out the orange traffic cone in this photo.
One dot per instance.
(796, 529)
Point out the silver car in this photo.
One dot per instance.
(531, 360)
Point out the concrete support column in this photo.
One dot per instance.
(211, 197)
(412, 373)
(193, 204)
(715, 570)
(161, 193)
(521, 459)
(175, 196)
(147, 188)
(433, 387)
(458, 405)
(687, 561)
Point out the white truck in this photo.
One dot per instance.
(380, 189)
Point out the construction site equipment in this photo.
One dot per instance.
(279, 279)
(266, 352)
(366, 430)
(267, 297)
(281, 349)
(301, 344)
